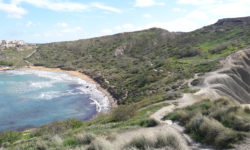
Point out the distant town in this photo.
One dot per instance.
(10, 44)
(17, 44)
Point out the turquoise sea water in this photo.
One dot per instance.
(30, 98)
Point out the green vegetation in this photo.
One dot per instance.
(150, 63)
(9, 137)
(157, 141)
(123, 113)
(140, 69)
(73, 133)
(220, 123)
(14, 57)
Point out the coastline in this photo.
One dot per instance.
(72, 73)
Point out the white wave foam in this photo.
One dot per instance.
(99, 99)
(54, 94)
(41, 84)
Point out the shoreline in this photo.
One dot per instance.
(77, 74)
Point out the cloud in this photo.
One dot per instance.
(12, 10)
(107, 31)
(209, 11)
(54, 5)
(198, 2)
(62, 24)
(104, 7)
(125, 27)
(71, 30)
(147, 15)
(31, 24)
(178, 10)
(118, 29)
(60, 34)
(147, 3)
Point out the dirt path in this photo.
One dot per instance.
(25, 59)
(164, 127)
(186, 100)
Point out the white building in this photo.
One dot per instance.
(14, 43)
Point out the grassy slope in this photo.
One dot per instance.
(13, 57)
(153, 63)
(222, 121)
(63, 135)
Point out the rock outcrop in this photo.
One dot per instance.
(232, 80)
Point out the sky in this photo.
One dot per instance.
(41, 21)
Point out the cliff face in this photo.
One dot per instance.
(232, 80)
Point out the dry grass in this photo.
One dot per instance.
(100, 144)
(85, 139)
(220, 123)
(209, 130)
(160, 140)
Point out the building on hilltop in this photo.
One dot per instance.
(10, 44)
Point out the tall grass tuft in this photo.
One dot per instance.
(100, 144)
(163, 140)
(209, 130)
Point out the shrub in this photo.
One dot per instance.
(218, 49)
(85, 139)
(247, 110)
(123, 112)
(214, 122)
(58, 127)
(41, 145)
(179, 115)
(70, 142)
(232, 117)
(141, 143)
(100, 144)
(167, 140)
(148, 123)
(9, 136)
(210, 131)
(157, 141)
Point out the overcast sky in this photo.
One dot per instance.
(39, 21)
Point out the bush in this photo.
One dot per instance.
(9, 136)
(85, 139)
(218, 49)
(179, 115)
(232, 117)
(100, 144)
(210, 131)
(214, 122)
(140, 143)
(70, 142)
(247, 110)
(167, 141)
(123, 112)
(41, 145)
(58, 127)
(157, 141)
(148, 123)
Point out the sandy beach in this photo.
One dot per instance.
(73, 73)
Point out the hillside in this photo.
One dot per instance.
(147, 64)
(12, 53)
(148, 71)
